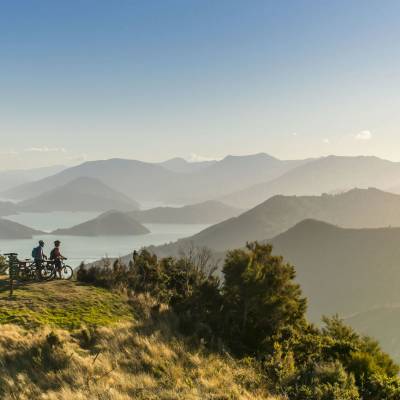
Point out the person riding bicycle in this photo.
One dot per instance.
(38, 253)
(57, 257)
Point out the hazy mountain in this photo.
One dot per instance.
(12, 230)
(111, 223)
(127, 176)
(7, 208)
(358, 208)
(324, 175)
(180, 165)
(81, 194)
(156, 183)
(233, 173)
(13, 178)
(209, 212)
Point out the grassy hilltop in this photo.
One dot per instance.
(66, 340)
(169, 328)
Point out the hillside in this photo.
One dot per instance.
(81, 194)
(12, 178)
(382, 323)
(111, 223)
(353, 272)
(324, 175)
(343, 270)
(209, 212)
(156, 183)
(12, 230)
(98, 343)
(358, 208)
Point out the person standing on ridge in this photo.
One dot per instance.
(38, 253)
(57, 257)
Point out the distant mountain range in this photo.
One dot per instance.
(11, 230)
(111, 223)
(361, 208)
(241, 181)
(324, 175)
(81, 194)
(171, 182)
(208, 212)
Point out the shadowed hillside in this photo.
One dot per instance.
(361, 208)
(382, 323)
(343, 270)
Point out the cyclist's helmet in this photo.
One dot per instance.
(41, 243)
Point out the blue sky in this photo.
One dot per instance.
(156, 79)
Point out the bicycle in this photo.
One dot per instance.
(27, 271)
(49, 271)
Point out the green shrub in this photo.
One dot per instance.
(261, 299)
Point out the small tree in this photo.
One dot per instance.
(261, 298)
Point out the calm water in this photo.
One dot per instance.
(87, 249)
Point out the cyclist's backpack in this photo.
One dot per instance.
(36, 253)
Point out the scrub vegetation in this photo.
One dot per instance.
(171, 329)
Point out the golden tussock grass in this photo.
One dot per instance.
(142, 358)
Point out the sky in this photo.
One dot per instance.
(151, 80)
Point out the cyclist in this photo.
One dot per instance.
(38, 253)
(57, 257)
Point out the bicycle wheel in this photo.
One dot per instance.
(66, 272)
(46, 273)
(22, 275)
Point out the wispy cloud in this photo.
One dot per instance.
(363, 135)
(45, 149)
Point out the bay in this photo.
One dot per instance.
(87, 249)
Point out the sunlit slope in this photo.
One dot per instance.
(63, 340)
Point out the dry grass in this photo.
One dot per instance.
(143, 359)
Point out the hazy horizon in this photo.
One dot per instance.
(189, 159)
